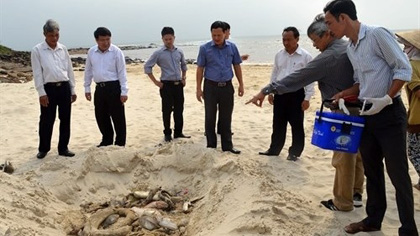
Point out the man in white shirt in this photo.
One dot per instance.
(54, 80)
(289, 107)
(105, 65)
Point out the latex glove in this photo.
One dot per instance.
(342, 106)
(377, 104)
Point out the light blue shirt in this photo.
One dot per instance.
(218, 61)
(377, 60)
(171, 62)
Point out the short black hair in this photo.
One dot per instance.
(167, 30)
(294, 30)
(218, 24)
(227, 25)
(101, 31)
(337, 7)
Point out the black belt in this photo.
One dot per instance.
(172, 82)
(108, 83)
(219, 84)
(56, 84)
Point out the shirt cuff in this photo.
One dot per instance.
(267, 89)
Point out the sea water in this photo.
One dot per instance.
(261, 49)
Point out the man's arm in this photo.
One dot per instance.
(199, 79)
(122, 76)
(238, 74)
(88, 77)
(38, 77)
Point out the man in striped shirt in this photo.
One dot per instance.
(380, 71)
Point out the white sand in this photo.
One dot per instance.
(245, 194)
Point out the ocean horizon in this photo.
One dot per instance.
(261, 49)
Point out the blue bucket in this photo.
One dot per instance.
(337, 132)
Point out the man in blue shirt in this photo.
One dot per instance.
(171, 61)
(214, 63)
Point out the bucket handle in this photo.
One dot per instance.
(322, 107)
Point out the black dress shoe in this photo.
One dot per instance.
(168, 138)
(292, 157)
(181, 136)
(233, 150)
(268, 153)
(66, 153)
(41, 155)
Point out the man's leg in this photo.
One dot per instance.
(278, 136)
(225, 116)
(178, 109)
(64, 114)
(102, 115)
(167, 106)
(345, 165)
(210, 107)
(295, 118)
(46, 121)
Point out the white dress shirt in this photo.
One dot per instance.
(285, 64)
(105, 67)
(51, 66)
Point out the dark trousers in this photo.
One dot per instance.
(384, 136)
(59, 95)
(108, 106)
(288, 109)
(218, 98)
(172, 100)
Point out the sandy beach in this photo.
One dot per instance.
(244, 194)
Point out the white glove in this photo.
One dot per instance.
(377, 104)
(342, 106)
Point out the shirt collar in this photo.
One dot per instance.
(110, 49)
(298, 51)
(227, 43)
(362, 35)
(164, 48)
(45, 46)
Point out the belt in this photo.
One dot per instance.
(56, 84)
(107, 83)
(219, 84)
(172, 82)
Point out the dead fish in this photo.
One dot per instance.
(7, 167)
(140, 194)
(149, 222)
(111, 219)
(167, 223)
(157, 205)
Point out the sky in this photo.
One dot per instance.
(140, 21)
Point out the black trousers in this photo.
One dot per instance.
(59, 95)
(218, 98)
(108, 106)
(288, 109)
(172, 100)
(384, 137)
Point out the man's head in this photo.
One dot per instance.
(290, 39)
(51, 33)
(319, 34)
(103, 38)
(337, 15)
(218, 32)
(168, 37)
